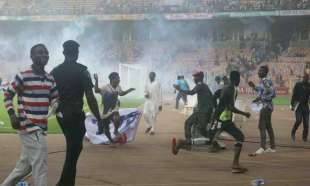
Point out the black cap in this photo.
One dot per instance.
(198, 74)
(70, 46)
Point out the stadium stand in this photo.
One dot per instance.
(76, 7)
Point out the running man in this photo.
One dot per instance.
(109, 94)
(300, 104)
(201, 115)
(153, 103)
(266, 93)
(223, 117)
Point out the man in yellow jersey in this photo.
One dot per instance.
(223, 117)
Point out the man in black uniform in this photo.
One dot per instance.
(300, 103)
(201, 115)
(73, 80)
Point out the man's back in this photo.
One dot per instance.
(71, 79)
(204, 97)
(183, 84)
(301, 93)
(228, 96)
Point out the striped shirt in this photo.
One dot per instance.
(34, 95)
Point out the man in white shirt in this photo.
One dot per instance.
(153, 103)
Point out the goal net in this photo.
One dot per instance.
(133, 76)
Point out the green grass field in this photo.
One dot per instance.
(53, 127)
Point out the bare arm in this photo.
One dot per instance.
(188, 92)
(97, 89)
(123, 93)
(92, 103)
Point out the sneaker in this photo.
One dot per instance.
(270, 150)
(239, 170)
(175, 146)
(179, 144)
(125, 138)
(122, 139)
(148, 130)
(260, 151)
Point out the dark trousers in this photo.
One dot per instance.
(264, 125)
(231, 129)
(180, 96)
(74, 131)
(201, 120)
(302, 115)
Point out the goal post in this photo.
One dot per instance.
(133, 76)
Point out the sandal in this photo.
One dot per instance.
(239, 170)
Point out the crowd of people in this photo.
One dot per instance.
(33, 7)
(213, 114)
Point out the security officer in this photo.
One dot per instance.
(73, 80)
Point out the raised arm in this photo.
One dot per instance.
(97, 89)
